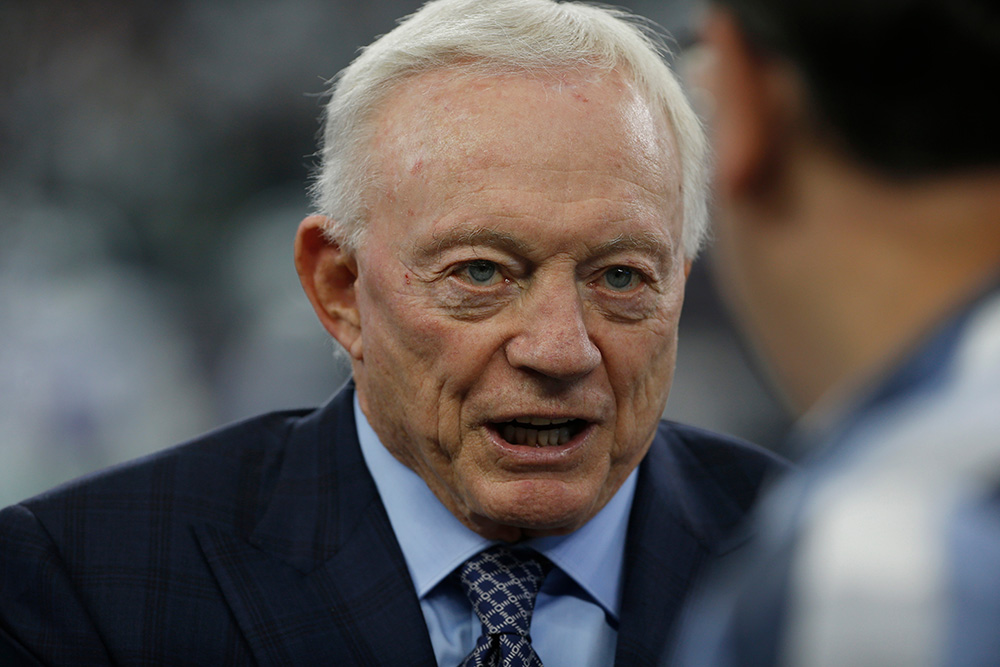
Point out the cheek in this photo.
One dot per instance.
(392, 319)
(641, 367)
(396, 349)
(414, 345)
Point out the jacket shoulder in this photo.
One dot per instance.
(740, 465)
(218, 465)
(112, 559)
(713, 480)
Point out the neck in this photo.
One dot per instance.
(858, 268)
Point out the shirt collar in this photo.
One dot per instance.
(591, 556)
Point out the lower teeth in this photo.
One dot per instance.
(518, 435)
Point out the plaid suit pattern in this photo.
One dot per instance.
(266, 543)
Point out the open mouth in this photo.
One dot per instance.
(538, 431)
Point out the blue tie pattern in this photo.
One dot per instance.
(502, 584)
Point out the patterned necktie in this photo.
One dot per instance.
(502, 584)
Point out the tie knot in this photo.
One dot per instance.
(502, 584)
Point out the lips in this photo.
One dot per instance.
(539, 431)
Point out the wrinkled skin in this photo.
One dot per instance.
(522, 259)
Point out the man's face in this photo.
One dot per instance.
(519, 287)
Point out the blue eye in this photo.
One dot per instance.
(621, 278)
(480, 272)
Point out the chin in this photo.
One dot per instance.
(537, 508)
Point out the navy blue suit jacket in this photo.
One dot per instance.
(266, 542)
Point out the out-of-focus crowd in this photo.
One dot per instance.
(154, 158)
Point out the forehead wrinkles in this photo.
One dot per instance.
(455, 124)
(553, 197)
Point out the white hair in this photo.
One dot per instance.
(492, 37)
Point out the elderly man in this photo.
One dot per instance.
(511, 194)
(859, 245)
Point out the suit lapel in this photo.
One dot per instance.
(321, 578)
(678, 521)
(661, 559)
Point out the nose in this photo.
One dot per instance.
(551, 334)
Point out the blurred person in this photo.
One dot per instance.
(858, 246)
(510, 198)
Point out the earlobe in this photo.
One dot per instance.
(328, 275)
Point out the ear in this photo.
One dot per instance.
(328, 274)
(748, 115)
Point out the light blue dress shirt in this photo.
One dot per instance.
(576, 616)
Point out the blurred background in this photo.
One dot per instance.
(154, 156)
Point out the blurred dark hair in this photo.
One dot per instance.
(911, 87)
